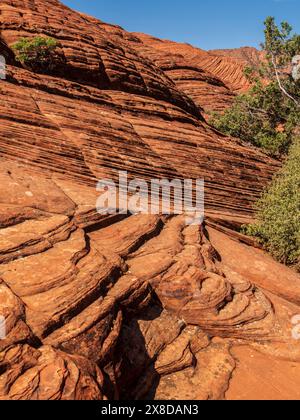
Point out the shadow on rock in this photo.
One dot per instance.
(138, 378)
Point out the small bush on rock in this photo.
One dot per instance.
(38, 53)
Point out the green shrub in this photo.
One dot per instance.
(38, 53)
(263, 117)
(278, 212)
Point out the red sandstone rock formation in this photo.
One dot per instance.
(140, 306)
(247, 55)
(210, 78)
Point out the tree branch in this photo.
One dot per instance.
(279, 82)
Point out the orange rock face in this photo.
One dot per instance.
(211, 79)
(142, 306)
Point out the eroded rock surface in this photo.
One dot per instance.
(115, 105)
(137, 308)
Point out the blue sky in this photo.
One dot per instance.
(205, 23)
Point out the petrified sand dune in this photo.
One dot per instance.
(210, 78)
(140, 306)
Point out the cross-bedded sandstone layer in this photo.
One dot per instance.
(133, 306)
(113, 106)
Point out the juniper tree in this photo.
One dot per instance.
(268, 115)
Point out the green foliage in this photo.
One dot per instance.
(38, 53)
(280, 44)
(269, 114)
(263, 117)
(278, 212)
